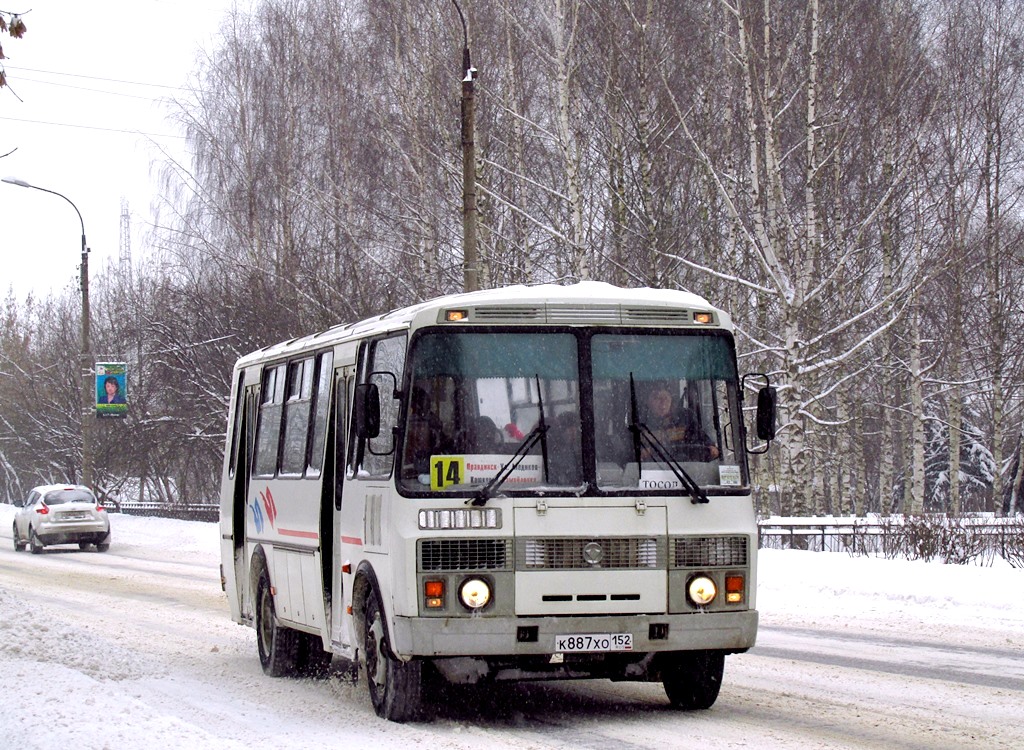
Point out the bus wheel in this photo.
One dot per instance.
(278, 645)
(396, 687)
(692, 679)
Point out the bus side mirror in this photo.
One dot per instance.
(766, 409)
(367, 411)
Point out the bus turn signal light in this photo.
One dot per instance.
(433, 592)
(734, 589)
(456, 316)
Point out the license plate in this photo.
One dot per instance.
(77, 515)
(594, 642)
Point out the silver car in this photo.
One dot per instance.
(60, 514)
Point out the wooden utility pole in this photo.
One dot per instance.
(471, 275)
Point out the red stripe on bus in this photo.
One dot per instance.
(352, 540)
(303, 534)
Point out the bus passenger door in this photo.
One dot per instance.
(342, 380)
(244, 439)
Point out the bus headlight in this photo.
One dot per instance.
(475, 593)
(701, 590)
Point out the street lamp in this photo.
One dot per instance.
(88, 383)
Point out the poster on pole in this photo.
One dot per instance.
(111, 389)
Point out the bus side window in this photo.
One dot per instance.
(352, 450)
(236, 426)
(341, 401)
(384, 366)
(325, 373)
(296, 416)
(268, 432)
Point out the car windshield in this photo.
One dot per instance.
(58, 497)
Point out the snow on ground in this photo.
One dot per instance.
(72, 674)
(903, 597)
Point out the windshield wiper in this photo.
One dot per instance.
(538, 433)
(641, 432)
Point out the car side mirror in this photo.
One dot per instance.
(19, 503)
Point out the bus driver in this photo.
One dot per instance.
(677, 427)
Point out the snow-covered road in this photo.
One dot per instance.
(906, 656)
(134, 649)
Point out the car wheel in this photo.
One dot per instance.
(396, 687)
(35, 542)
(692, 679)
(83, 546)
(278, 645)
(104, 545)
(19, 545)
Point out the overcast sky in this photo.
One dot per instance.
(85, 116)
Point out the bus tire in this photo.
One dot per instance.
(692, 679)
(396, 687)
(278, 645)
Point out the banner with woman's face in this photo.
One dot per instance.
(111, 389)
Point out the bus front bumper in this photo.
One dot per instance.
(535, 636)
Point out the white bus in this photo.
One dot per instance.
(527, 483)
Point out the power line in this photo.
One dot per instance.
(94, 78)
(93, 127)
(22, 79)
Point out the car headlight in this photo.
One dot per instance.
(702, 590)
(475, 593)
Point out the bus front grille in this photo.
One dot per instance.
(709, 551)
(464, 554)
(583, 553)
(597, 553)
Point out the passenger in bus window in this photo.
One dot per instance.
(565, 465)
(677, 428)
(481, 435)
(424, 433)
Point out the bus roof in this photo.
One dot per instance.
(585, 302)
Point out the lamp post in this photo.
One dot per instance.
(88, 383)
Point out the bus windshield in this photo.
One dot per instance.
(665, 405)
(502, 410)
